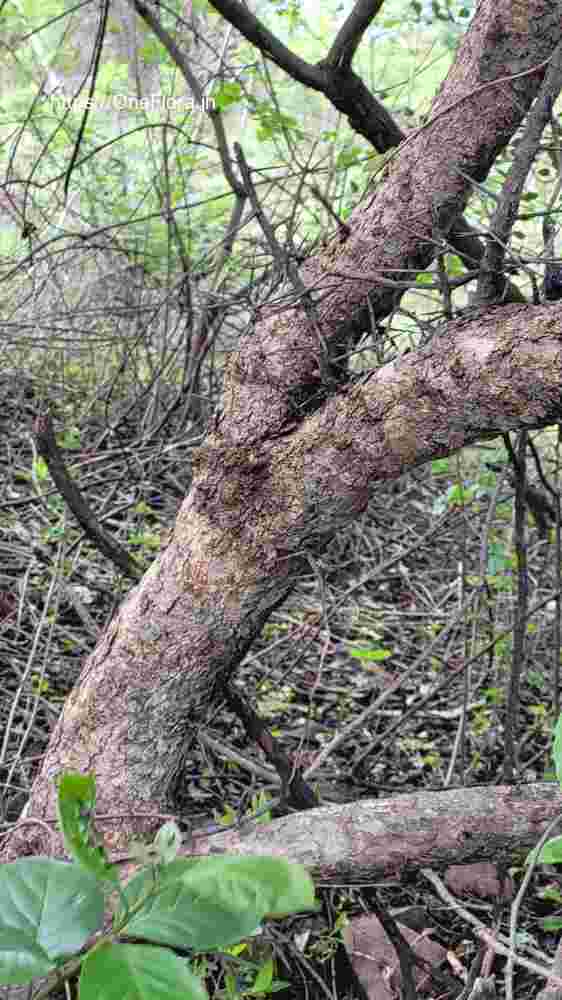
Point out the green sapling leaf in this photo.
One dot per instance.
(48, 909)
(116, 971)
(208, 903)
(75, 806)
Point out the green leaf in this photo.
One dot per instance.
(551, 853)
(227, 94)
(440, 466)
(168, 842)
(151, 52)
(454, 265)
(75, 806)
(39, 469)
(376, 655)
(48, 909)
(137, 972)
(208, 903)
(272, 122)
(551, 894)
(460, 493)
(557, 749)
(70, 439)
(348, 156)
(552, 923)
(264, 978)
(111, 74)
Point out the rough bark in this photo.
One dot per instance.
(239, 536)
(377, 839)
(271, 483)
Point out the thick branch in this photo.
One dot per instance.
(392, 237)
(387, 838)
(241, 535)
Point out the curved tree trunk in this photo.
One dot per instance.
(270, 485)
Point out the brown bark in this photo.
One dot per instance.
(377, 839)
(270, 483)
(251, 511)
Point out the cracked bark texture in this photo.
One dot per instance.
(269, 485)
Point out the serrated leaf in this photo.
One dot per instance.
(48, 909)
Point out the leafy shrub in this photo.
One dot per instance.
(52, 912)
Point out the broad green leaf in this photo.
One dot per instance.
(75, 806)
(208, 903)
(48, 909)
(136, 972)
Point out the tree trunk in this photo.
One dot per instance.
(296, 451)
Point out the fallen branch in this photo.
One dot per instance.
(375, 839)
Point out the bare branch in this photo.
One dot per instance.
(49, 450)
